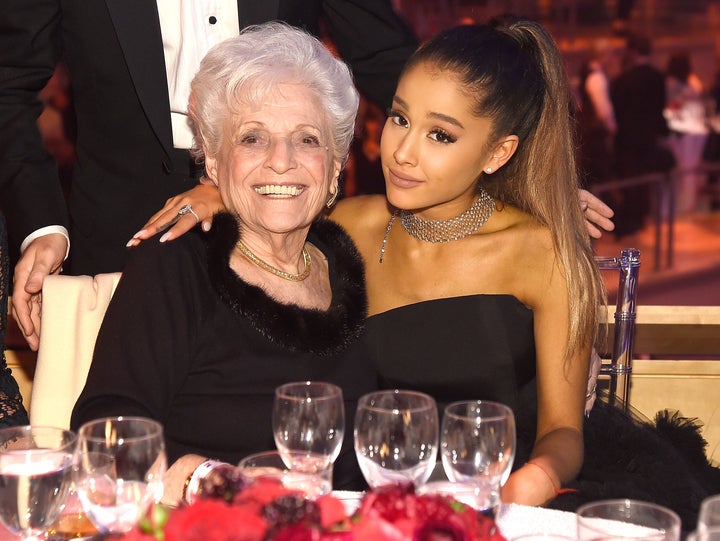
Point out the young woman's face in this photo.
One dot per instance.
(275, 168)
(433, 146)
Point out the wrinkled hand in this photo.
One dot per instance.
(597, 214)
(43, 256)
(204, 199)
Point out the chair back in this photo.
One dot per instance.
(73, 308)
(619, 367)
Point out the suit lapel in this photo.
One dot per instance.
(138, 30)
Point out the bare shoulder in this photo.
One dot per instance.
(361, 213)
(365, 218)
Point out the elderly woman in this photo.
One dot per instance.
(201, 331)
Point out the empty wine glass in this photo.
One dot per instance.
(478, 448)
(308, 422)
(396, 437)
(35, 477)
(121, 463)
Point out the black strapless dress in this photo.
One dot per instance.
(482, 347)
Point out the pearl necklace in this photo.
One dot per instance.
(299, 277)
(455, 228)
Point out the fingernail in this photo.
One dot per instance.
(141, 232)
(166, 236)
(206, 226)
(130, 243)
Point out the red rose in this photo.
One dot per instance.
(214, 520)
(332, 511)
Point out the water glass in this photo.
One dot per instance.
(709, 516)
(396, 437)
(626, 520)
(121, 463)
(271, 464)
(308, 421)
(35, 477)
(477, 445)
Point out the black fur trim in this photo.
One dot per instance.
(294, 328)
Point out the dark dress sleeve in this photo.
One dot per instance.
(12, 411)
(30, 191)
(146, 341)
(374, 40)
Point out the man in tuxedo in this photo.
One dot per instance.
(130, 63)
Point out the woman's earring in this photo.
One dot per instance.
(489, 169)
(331, 200)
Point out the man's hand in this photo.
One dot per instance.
(43, 256)
(597, 214)
(204, 200)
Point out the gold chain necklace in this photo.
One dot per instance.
(299, 277)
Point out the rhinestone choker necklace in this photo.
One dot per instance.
(455, 228)
(299, 277)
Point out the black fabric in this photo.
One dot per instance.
(12, 411)
(204, 364)
(482, 347)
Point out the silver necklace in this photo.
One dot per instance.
(455, 228)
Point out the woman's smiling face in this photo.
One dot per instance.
(275, 168)
(434, 147)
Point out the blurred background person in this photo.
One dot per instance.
(596, 116)
(638, 98)
(687, 118)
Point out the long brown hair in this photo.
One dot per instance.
(516, 76)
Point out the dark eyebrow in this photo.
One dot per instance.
(439, 116)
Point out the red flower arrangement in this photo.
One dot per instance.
(267, 511)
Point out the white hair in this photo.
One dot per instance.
(246, 68)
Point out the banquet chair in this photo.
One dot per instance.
(73, 308)
(618, 369)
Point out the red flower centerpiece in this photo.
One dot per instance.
(264, 510)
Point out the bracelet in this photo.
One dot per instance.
(192, 483)
(556, 488)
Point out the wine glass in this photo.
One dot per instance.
(308, 421)
(35, 477)
(396, 437)
(121, 463)
(478, 448)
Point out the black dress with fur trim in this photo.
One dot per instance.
(187, 342)
(482, 347)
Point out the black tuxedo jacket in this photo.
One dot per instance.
(126, 165)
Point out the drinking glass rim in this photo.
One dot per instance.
(157, 428)
(363, 401)
(504, 410)
(626, 503)
(281, 390)
(28, 429)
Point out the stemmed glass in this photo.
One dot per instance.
(308, 421)
(35, 477)
(121, 463)
(478, 449)
(396, 437)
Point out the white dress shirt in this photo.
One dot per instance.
(189, 29)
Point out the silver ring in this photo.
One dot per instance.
(187, 209)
